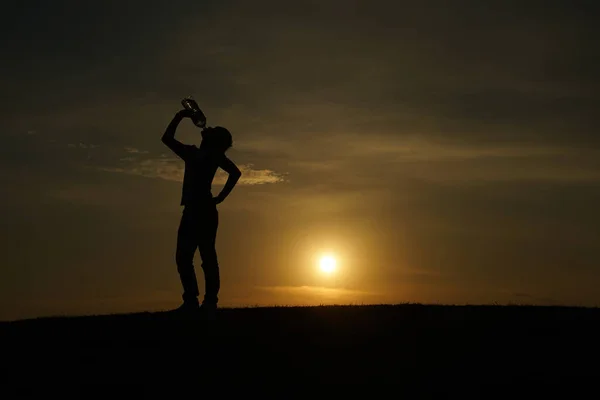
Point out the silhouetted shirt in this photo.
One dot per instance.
(200, 169)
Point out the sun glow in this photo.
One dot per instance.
(327, 264)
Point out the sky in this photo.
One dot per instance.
(444, 152)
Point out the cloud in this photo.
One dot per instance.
(251, 176)
(134, 150)
(314, 295)
(82, 145)
(352, 158)
(163, 168)
(172, 169)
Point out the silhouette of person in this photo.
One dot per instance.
(200, 218)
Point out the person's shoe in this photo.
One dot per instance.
(188, 307)
(208, 311)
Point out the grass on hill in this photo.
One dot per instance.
(413, 348)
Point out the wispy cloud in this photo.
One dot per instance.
(133, 150)
(312, 295)
(172, 169)
(82, 145)
(417, 157)
(251, 176)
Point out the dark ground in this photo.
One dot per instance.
(377, 351)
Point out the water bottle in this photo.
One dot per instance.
(198, 117)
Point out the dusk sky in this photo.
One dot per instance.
(443, 151)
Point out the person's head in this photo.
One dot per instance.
(216, 139)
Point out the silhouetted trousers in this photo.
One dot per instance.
(198, 230)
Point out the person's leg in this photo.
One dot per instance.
(208, 252)
(187, 243)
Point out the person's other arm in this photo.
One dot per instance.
(168, 138)
(234, 175)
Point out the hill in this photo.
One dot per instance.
(411, 348)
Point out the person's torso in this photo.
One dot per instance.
(200, 169)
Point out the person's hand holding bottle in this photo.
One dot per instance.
(185, 113)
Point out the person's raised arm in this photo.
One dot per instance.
(234, 175)
(168, 138)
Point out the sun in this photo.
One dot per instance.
(327, 264)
